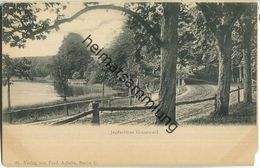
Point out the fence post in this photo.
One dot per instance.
(95, 115)
(238, 94)
(36, 116)
(215, 103)
(130, 100)
(11, 117)
(66, 109)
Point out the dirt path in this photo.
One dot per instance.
(184, 112)
(190, 111)
(146, 117)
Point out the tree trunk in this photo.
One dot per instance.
(182, 82)
(247, 76)
(9, 94)
(240, 73)
(64, 94)
(232, 72)
(224, 78)
(169, 36)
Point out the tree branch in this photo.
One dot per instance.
(235, 18)
(127, 11)
(204, 9)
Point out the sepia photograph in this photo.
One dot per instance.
(133, 69)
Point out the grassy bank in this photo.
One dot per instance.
(241, 113)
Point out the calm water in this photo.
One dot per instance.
(26, 93)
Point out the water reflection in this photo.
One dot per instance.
(80, 89)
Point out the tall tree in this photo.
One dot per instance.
(169, 50)
(73, 57)
(247, 25)
(14, 67)
(61, 74)
(220, 18)
(165, 18)
(7, 72)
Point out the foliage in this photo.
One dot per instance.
(220, 16)
(123, 53)
(76, 75)
(16, 21)
(184, 72)
(41, 65)
(74, 54)
(244, 37)
(11, 68)
(61, 75)
(151, 13)
(194, 46)
(15, 68)
(21, 21)
(73, 57)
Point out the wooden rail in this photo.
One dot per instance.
(123, 108)
(194, 101)
(95, 116)
(96, 110)
(77, 116)
(53, 111)
(70, 103)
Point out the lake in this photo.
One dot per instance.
(28, 93)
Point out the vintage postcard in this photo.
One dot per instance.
(129, 83)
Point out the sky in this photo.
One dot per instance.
(103, 25)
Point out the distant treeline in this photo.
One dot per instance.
(41, 65)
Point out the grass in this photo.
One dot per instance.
(241, 113)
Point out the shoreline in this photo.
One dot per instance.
(35, 79)
(70, 99)
(57, 102)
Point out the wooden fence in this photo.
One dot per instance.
(96, 109)
(55, 111)
(85, 108)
